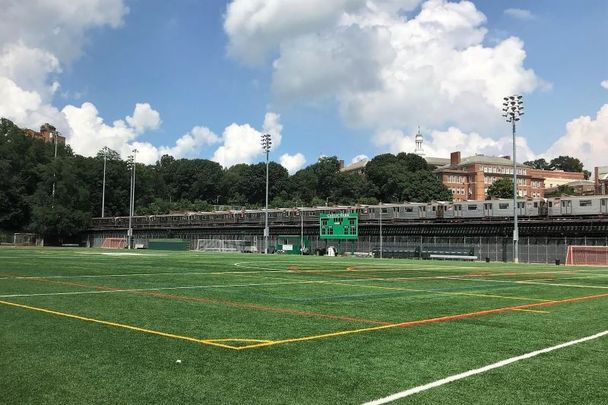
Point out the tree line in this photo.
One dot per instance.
(29, 171)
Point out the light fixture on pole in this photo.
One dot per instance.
(266, 146)
(513, 109)
(131, 162)
(105, 151)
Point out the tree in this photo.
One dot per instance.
(560, 190)
(541, 164)
(567, 164)
(501, 188)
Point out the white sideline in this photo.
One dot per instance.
(469, 373)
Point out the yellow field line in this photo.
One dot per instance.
(121, 325)
(430, 320)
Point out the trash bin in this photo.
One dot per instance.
(557, 262)
(487, 260)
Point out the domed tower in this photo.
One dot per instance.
(419, 149)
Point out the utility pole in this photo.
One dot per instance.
(513, 107)
(266, 146)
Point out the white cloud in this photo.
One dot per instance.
(190, 144)
(442, 143)
(58, 27)
(293, 163)
(358, 158)
(90, 133)
(519, 13)
(144, 118)
(36, 40)
(241, 143)
(384, 70)
(585, 138)
(256, 27)
(604, 84)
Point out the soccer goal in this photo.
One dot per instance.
(114, 243)
(26, 239)
(221, 245)
(587, 256)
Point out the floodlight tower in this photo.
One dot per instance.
(513, 109)
(54, 135)
(131, 163)
(266, 146)
(105, 151)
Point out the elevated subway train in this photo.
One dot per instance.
(564, 207)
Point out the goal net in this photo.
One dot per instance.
(221, 245)
(587, 255)
(25, 239)
(114, 243)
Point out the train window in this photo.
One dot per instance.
(458, 207)
(550, 204)
(384, 210)
(503, 206)
(536, 204)
(409, 209)
(585, 203)
(488, 206)
(434, 208)
(472, 207)
(604, 202)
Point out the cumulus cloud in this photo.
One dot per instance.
(519, 13)
(358, 158)
(90, 133)
(604, 84)
(585, 138)
(144, 118)
(292, 163)
(384, 70)
(34, 47)
(241, 143)
(442, 143)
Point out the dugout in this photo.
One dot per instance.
(169, 244)
(292, 244)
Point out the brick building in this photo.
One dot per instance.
(469, 178)
(46, 134)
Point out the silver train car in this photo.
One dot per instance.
(562, 207)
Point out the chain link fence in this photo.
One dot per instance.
(486, 248)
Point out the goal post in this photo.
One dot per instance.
(114, 243)
(221, 245)
(26, 239)
(587, 256)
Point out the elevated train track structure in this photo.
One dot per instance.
(486, 226)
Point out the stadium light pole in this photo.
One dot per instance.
(131, 162)
(54, 136)
(513, 109)
(103, 187)
(380, 232)
(266, 146)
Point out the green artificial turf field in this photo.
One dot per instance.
(93, 326)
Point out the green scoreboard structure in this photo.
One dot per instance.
(343, 226)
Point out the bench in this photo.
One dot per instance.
(452, 257)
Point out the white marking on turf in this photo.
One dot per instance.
(481, 370)
(530, 282)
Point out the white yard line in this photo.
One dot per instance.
(481, 370)
(529, 282)
(188, 287)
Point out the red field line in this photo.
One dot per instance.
(233, 304)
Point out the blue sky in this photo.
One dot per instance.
(196, 76)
